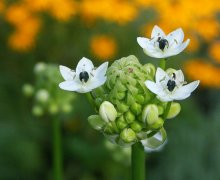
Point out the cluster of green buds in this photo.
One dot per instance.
(127, 111)
(47, 97)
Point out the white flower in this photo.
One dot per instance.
(85, 78)
(162, 46)
(169, 87)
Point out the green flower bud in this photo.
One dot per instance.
(120, 87)
(136, 108)
(107, 111)
(122, 107)
(150, 69)
(130, 117)
(53, 108)
(42, 96)
(120, 95)
(147, 97)
(174, 110)
(109, 129)
(157, 125)
(130, 99)
(139, 98)
(150, 114)
(128, 135)
(160, 110)
(37, 110)
(136, 126)
(28, 90)
(121, 123)
(132, 89)
(96, 122)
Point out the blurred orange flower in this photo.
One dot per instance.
(110, 10)
(39, 5)
(2, 6)
(103, 47)
(24, 36)
(17, 14)
(208, 74)
(63, 10)
(214, 51)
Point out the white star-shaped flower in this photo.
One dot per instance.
(161, 45)
(169, 87)
(85, 78)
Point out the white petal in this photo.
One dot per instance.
(101, 70)
(179, 77)
(179, 49)
(154, 53)
(70, 85)
(175, 38)
(96, 82)
(153, 87)
(84, 65)
(157, 32)
(67, 73)
(161, 77)
(165, 98)
(143, 42)
(185, 91)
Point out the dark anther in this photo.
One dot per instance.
(162, 43)
(84, 76)
(171, 85)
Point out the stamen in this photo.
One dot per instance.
(83, 76)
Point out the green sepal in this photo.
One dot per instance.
(96, 122)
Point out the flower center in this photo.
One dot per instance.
(83, 76)
(171, 85)
(162, 43)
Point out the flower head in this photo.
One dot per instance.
(171, 86)
(85, 78)
(161, 45)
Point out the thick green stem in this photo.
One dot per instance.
(138, 161)
(163, 64)
(167, 110)
(57, 152)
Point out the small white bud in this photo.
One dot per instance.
(150, 114)
(42, 95)
(107, 111)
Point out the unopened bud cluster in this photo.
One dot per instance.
(128, 111)
(47, 98)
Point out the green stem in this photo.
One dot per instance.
(167, 110)
(138, 161)
(163, 64)
(57, 152)
(91, 99)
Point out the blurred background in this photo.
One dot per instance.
(37, 36)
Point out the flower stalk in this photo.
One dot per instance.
(163, 64)
(138, 161)
(57, 151)
(167, 110)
